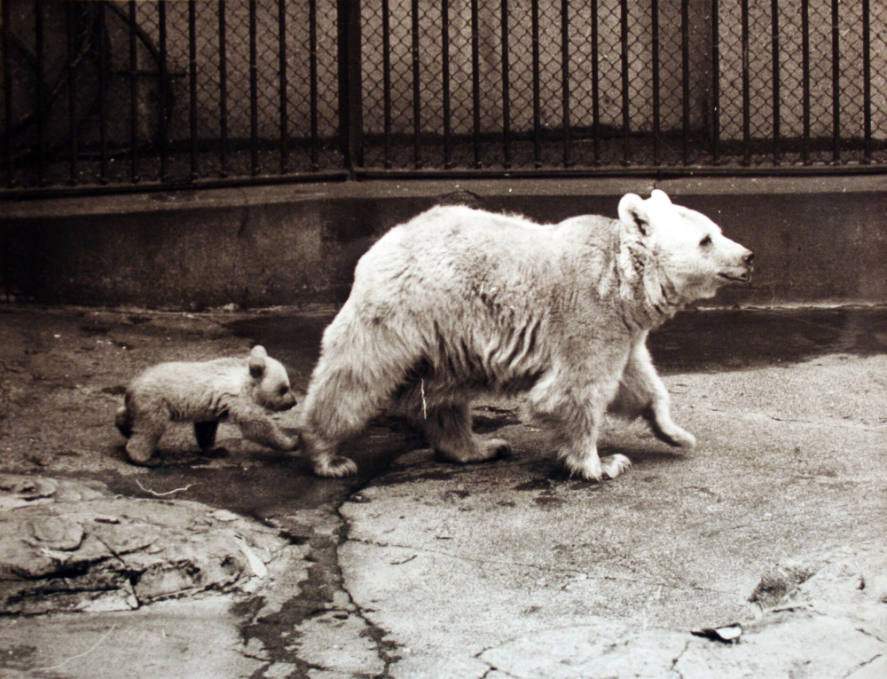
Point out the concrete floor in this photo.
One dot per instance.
(507, 569)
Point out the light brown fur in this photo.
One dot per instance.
(459, 303)
(241, 390)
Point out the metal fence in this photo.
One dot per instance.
(122, 95)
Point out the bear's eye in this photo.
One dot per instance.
(283, 390)
(705, 242)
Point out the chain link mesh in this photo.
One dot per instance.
(462, 84)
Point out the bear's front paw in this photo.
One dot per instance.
(335, 467)
(676, 436)
(613, 465)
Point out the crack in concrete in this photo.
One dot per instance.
(677, 659)
(544, 568)
(279, 632)
(384, 649)
(864, 663)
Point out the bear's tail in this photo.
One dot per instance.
(123, 420)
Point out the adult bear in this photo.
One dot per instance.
(459, 302)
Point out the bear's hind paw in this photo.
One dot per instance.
(335, 467)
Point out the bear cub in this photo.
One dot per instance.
(240, 390)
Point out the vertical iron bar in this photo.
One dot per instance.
(192, 84)
(475, 81)
(312, 76)
(746, 79)
(417, 101)
(100, 35)
(445, 47)
(805, 80)
(39, 102)
(537, 117)
(223, 91)
(654, 48)
(5, 16)
(866, 82)
(836, 84)
(253, 91)
(685, 82)
(386, 84)
(777, 114)
(626, 121)
(506, 103)
(164, 91)
(72, 96)
(282, 85)
(350, 104)
(565, 79)
(595, 85)
(715, 83)
(133, 95)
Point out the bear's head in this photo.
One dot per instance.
(686, 246)
(270, 386)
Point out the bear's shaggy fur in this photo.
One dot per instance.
(459, 302)
(237, 389)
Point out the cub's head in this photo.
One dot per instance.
(686, 245)
(270, 383)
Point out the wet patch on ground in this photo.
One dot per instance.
(61, 380)
(744, 338)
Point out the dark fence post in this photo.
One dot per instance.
(350, 99)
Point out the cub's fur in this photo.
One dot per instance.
(241, 390)
(460, 302)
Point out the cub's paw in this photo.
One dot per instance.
(290, 443)
(139, 451)
(613, 465)
(335, 467)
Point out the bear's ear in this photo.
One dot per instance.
(633, 212)
(257, 361)
(660, 196)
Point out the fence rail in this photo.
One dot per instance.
(102, 96)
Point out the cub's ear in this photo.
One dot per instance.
(633, 212)
(257, 358)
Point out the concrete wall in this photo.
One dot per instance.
(816, 240)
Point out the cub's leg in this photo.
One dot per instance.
(123, 420)
(147, 428)
(448, 429)
(205, 433)
(574, 413)
(641, 392)
(258, 427)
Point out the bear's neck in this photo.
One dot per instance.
(648, 294)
